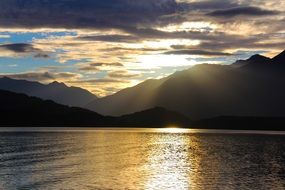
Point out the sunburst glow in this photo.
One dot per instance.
(159, 61)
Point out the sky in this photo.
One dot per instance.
(106, 46)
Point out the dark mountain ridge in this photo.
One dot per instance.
(279, 59)
(157, 116)
(58, 92)
(19, 110)
(261, 62)
(255, 59)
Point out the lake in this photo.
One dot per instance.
(141, 159)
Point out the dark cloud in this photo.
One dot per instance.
(225, 42)
(84, 13)
(19, 48)
(111, 38)
(137, 18)
(96, 66)
(116, 64)
(150, 33)
(209, 5)
(180, 47)
(133, 49)
(154, 34)
(41, 55)
(139, 34)
(41, 76)
(197, 52)
(242, 11)
(23, 48)
(253, 42)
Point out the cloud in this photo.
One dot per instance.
(209, 5)
(17, 49)
(99, 66)
(138, 35)
(123, 74)
(111, 38)
(197, 52)
(116, 64)
(242, 11)
(4, 36)
(43, 76)
(103, 80)
(89, 68)
(248, 43)
(135, 49)
(83, 14)
(156, 34)
(102, 86)
(41, 55)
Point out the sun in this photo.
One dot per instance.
(174, 129)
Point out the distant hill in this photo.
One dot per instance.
(253, 88)
(19, 110)
(58, 92)
(22, 110)
(155, 117)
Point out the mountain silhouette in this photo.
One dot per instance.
(279, 59)
(58, 92)
(254, 88)
(20, 110)
(154, 117)
(253, 60)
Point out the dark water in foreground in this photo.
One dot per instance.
(141, 159)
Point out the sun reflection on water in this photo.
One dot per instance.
(174, 129)
(159, 160)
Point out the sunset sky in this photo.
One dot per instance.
(108, 45)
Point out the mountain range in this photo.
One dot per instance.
(252, 87)
(58, 92)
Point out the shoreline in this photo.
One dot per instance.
(141, 130)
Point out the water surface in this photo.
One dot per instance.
(141, 159)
